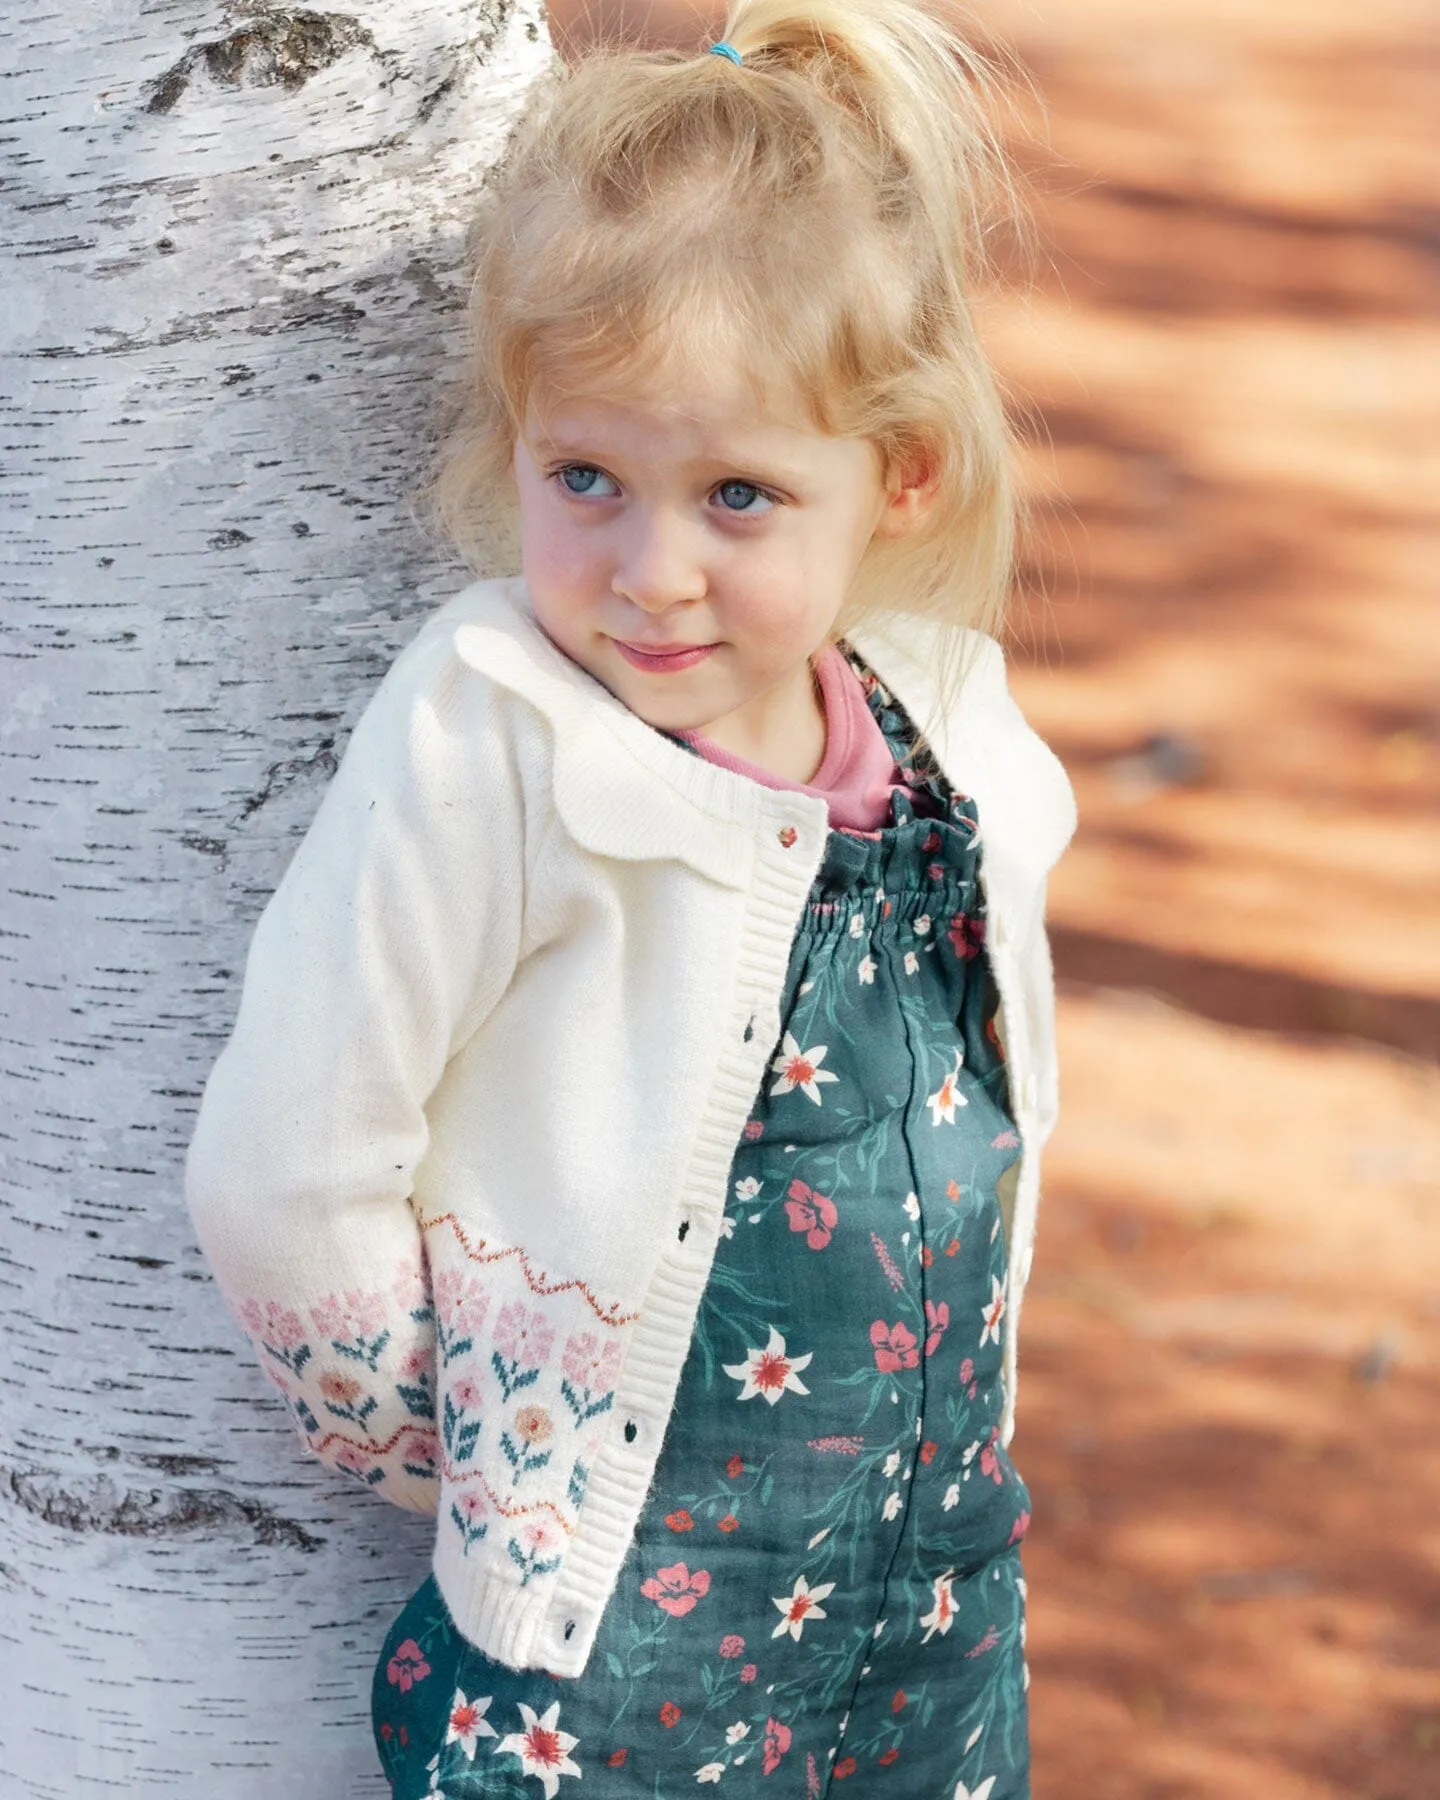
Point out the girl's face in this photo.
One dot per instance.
(718, 540)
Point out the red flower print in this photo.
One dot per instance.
(937, 1323)
(895, 1347)
(735, 1468)
(728, 1523)
(927, 1256)
(669, 1714)
(900, 1702)
(616, 1759)
(749, 1672)
(680, 1521)
(890, 1756)
(932, 843)
(731, 1646)
(404, 1738)
(990, 1462)
(1019, 1528)
(777, 1742)
(846, 1766)
(754, 1128)
(387, 1731)
(967, 935)
(952, 1248)
(675, 1590)
(812, 1213)
(967, 1370)
(952, 1189)
(407, 1666)
(927, 1450)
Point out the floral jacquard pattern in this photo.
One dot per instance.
(824, 1585)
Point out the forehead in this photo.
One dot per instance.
(686, 409)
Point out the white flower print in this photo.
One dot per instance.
(892, 1463)
(993, 1313)
(866, 971)
(727, 1227)
(941, 1615)
(803, 1604)
(857, 925)
(819, 1538)
(974, 1737)
(922, 924)
(912, 962)
(801, 1069)
(952, 1496)
(980, 1793)
(891, 1506)
(770, 1371)
(968, 1454)
(734, 1733)
(947, 1096)
(543, 1749)
(748, 1188)
(710, 1772)
(912, 1206)
(468, 1724)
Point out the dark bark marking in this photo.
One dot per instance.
(100, 1505)
(230, 539)
(280, 775)
(279, 49)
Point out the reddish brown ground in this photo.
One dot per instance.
(1230, 1386)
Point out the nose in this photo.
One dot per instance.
(659, 565)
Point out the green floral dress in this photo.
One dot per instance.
(825, 1581)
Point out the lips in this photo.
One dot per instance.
(663, 658)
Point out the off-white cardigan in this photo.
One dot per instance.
(461, 1167)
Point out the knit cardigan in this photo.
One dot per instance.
(460, 1169)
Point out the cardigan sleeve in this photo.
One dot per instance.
(392, 935)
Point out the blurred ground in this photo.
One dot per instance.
(1230, 1391)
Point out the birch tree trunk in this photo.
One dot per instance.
(231, 292)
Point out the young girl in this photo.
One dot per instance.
(627, 1147)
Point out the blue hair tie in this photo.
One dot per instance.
(726, 50)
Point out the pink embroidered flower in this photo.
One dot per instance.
(358, 1315)
(967, 1370)
(591, 1364)
(415, 1362)
(407, 1666)
(350, 1457)
(810, 1212)
(675, 1590)
(1006, 1140)
(523, 1337)
(275, 1324)
(754, 1128)
(424, 1447)
(937, 1321)
(749, 1672)
(837, 1446)
(409, 1288)
(540, 1536)
(777, 1742)
(731, 1646)
(461, 1300)
(472, 1505)
(467, 1393)
(895, 1347)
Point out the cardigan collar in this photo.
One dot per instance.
(624, 790)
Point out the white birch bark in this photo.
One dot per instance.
(231, 242)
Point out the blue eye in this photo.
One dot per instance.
(740, 496)
(582, 478)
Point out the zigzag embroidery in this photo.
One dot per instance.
(452, 1474)
(607, 1315)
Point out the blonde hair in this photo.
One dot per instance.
(821, 213)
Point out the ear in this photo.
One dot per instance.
(912, 487)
